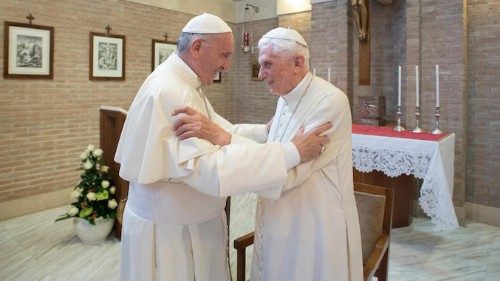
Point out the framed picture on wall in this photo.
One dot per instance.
(29, 51)
(161, 50)
(218, 78)
(107, 57)
(255, 71)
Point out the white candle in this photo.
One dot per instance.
(399, 85)
(416, 84)
(314, 71)
(329, 74)
(437, 85)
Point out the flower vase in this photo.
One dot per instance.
(93, 234)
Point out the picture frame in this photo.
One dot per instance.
(218, 78)
(255, 71)
(160, 51)
(107, 57)
(28, 51)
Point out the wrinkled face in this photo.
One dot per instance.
(277, 70)
(216, 52)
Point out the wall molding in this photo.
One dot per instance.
(32, 204)
(482, 213)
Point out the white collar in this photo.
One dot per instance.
(295, 95)
(182, 69)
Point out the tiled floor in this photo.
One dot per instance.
(33, 247)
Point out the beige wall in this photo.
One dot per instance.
(45, 123)
(404, 33)
(223, 9)
(483, 114)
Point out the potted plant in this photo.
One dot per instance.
(93, 207)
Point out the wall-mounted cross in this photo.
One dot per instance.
(166, 37)
(361, 16)
(30, 17)
(108, 29)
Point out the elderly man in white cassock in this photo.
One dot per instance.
(312, 231)
(174, 224)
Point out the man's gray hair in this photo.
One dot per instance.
(186, 39)
(289, 47)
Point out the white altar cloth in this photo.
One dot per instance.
(432, 161)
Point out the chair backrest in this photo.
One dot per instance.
(375, 215)
(111, 124)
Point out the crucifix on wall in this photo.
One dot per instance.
(361, 16)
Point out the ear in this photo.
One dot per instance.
(298, 63)
(195, 48)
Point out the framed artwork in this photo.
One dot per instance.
(255, 71)
(107, 57)
(161, 50)
(28, 51)
(218, 78)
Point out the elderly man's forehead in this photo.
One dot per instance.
(271, 52)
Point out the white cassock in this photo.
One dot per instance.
(174, 226)
(312, 231)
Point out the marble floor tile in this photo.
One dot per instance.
(34, 247)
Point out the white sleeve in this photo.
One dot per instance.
(335, 110)
(239, 168)
(256, 132)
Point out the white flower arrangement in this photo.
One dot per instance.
(93, 195)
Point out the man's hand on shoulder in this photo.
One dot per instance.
(311, 144)
(195, 124)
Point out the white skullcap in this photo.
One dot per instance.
(206, 23)
(286, 34)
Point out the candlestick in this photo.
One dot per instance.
(314, 71)
(398, 127)
(437, 85)
(416, 89)
(417, 128)
(399, 85)
(436, 130)
(329, 74)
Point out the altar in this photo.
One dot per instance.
(424, 155)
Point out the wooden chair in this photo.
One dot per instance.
(375, 214)
(111, 124)
(375, 218)
(110, 129)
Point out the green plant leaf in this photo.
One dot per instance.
(63, 217)
(85, 212)
(103, 195)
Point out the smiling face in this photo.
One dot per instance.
(281, 71)
(214, 56)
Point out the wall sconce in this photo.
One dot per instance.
(247, 29)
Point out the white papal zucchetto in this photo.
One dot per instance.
(286, 34)
(205, 24)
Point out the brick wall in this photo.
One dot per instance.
(46, 123)
(483, 103)
(446, 46)
(251, 99)
(330, 34)
(403, 33)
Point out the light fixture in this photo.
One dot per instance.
(247, 28)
